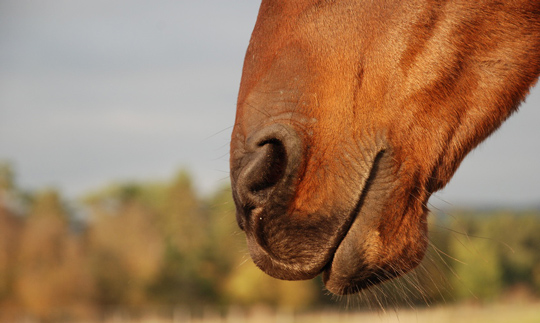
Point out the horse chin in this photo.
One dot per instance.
(370, 253)
(363, 260)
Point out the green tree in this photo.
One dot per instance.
(248, 286)
(225, 247)
(126, 253)
(10, 234)
(186, 276)
(518, 242)
(478, 269)
(7, 177)
(52, 279)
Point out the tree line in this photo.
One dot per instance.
(159, 246)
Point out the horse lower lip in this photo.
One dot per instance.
(327, 269)
(352, 217)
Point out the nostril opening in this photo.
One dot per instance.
(266, 169)
(270, 165)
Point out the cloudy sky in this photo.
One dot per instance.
(98, 91)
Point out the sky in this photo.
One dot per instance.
(96, 92)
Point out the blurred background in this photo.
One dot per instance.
(115, 119)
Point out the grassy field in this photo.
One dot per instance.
(529, 313)
(494, 313)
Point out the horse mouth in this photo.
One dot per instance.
(356, 237)
(346, 258)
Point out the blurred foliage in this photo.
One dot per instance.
(158, 245)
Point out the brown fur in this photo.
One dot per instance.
(387, 98)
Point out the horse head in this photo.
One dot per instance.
(352, 113)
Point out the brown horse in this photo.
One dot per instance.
(352, 113)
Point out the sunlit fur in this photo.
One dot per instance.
(352, 113)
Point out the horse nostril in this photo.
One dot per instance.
(267, 166)
(271, 159)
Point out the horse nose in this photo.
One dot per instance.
(267, 170)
